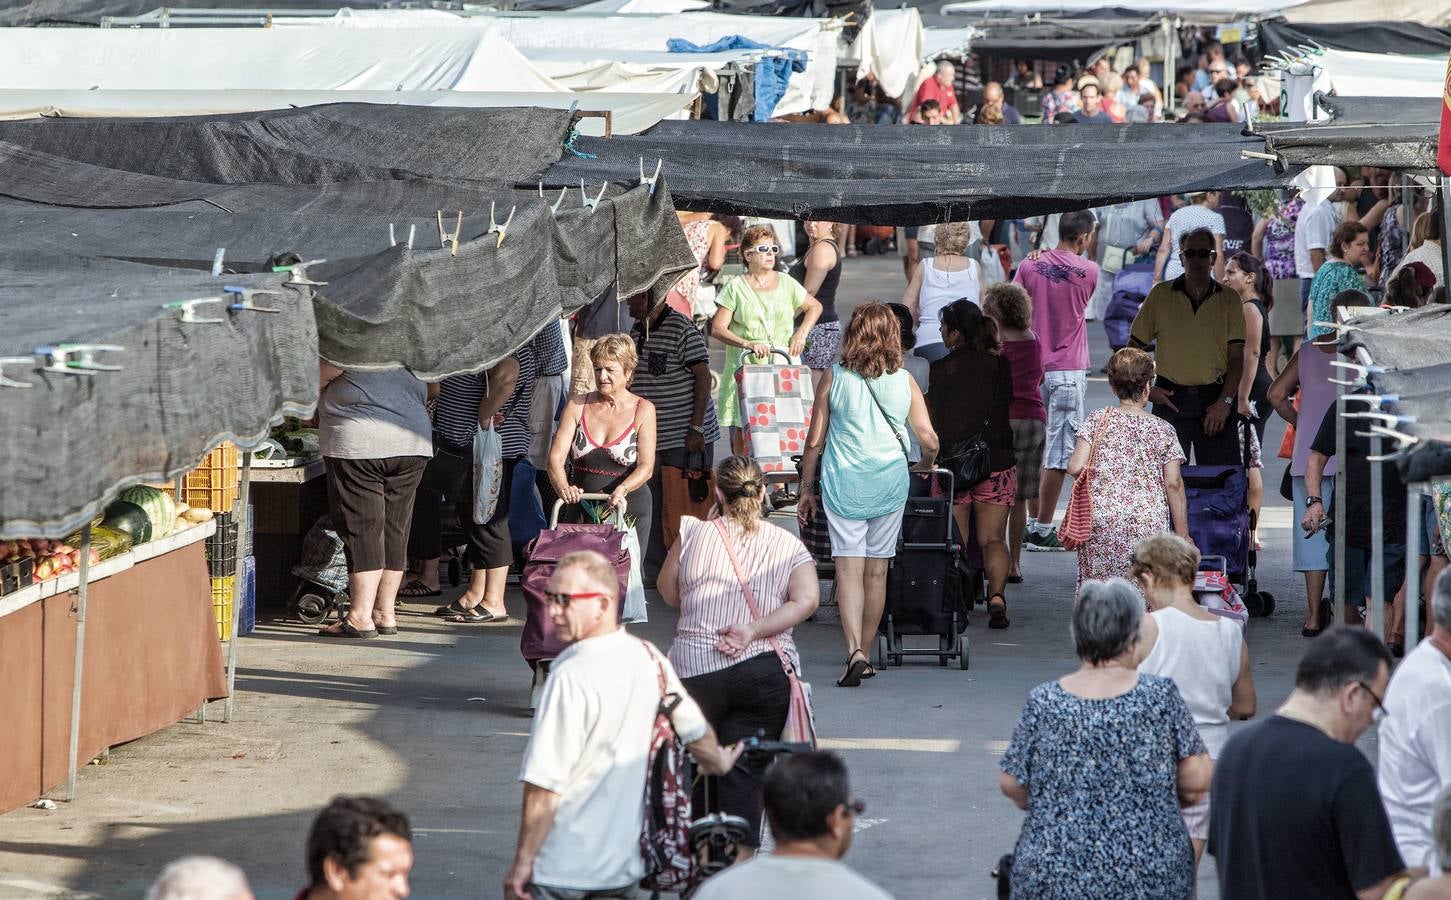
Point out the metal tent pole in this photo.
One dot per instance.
(242, 512)
(1375, 610)
(1445, 194)
(1341, 502)
(1413, 564)
(1170, 39)
(82, 592)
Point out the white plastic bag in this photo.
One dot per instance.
(634, 595)
(488, 473)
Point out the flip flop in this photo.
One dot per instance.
(454, 612)
(855, 670)
(346, 630)
(997, 615)
(416, 588)
(387, 629)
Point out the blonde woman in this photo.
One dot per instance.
(605, 443)
(755, 313)
(723, 652)
(940, 280)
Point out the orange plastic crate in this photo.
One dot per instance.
(213, 484)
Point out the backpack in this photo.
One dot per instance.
(669, 782)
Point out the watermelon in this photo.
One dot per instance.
(128, 518)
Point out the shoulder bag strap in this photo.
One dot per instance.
(668, 701)
(1098, 436)
(901, 441)
(750, 595)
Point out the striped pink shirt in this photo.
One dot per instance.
(711, 597)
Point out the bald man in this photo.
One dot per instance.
(939, 87)
(992, 99)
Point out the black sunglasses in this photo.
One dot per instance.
(1197, 254)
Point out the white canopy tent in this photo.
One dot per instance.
(1197, 10)
(629, 113)
(1424, 12)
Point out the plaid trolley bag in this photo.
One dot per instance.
(775, 403)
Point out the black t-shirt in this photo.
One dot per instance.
(1295, 813)
(1356, 515)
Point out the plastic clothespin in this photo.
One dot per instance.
(653, 178)
(1403, 441)
(494, 227)
(595, 203)
(299, 272)
(246, 302)
(410, 236)
(15, 361)
(554, 207)
(444, 238)
(392, 236)
(1359, 371)
(217, 261)
(1374, 400)
(189, 312)
(76, 359)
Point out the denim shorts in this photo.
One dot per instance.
(1063, 395)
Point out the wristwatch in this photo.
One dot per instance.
(1228, 401)
(698, 429)
(1311, 501)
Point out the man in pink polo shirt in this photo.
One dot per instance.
(939, 88)
(1061, 282)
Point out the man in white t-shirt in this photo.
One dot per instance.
(1313, 228)
(808, 801)
(1415, 736)
(584, 767)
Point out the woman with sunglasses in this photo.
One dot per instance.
(1203, 653)
(725, 653)
(756, 312)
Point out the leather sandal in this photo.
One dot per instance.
(997, 613)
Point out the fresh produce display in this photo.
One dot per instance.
(124, 516)
(107, 542)
(52, 558)
(158, 505)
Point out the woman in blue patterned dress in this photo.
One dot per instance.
(1102, 760)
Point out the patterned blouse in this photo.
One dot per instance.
(1335, 276)
(1280, 240)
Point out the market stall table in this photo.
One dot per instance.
(287, 496)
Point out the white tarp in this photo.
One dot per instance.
(1336, 12)
(950, 41)
(641, 7)
(1205, 9)
(629, 113)
(1352, 74)
(890, 46)
(367, 59)
(610, 75)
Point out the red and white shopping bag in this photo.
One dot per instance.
(775, 405)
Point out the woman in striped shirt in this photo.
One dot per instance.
(723, 653)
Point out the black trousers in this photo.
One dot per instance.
(371, 501)
(1194, 401)
(449, 477)
(750, 696)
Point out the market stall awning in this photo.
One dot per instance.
(1389, 132)
(1414, 349)
(1410, 38)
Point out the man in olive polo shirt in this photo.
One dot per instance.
(1196, 326)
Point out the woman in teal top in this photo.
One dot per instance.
(1349, 247)
(757, 312)
(858, 444)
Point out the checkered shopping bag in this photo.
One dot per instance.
(775, 405)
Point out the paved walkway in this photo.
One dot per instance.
(435, 720)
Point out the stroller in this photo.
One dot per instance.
(931, 585)
(1221, 525)
(1131, 285)
(539, 643)
(322, 574)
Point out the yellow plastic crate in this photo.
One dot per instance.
(222, 605)
(213, 484)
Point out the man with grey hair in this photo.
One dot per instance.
(1415, 736)
(939, 87)
(200, 878)
(584, 767)
(1294, 810)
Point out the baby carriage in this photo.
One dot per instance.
(322, 574)
(1131, 285)
(1221, 525)
(539, 643)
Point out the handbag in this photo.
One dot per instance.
(969, 461)
(1077, 525)
(800, 726)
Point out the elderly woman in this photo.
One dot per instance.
(970, 394)
(1203, 653)
(1349, 249)
(1135, 484)
(1102, 759)
(731, 657)
(819, 271)
(606, 439)
(376, 440)
(858, 444)
(938, 281)
(755, 313)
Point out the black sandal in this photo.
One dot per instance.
(997, 616)
(416, 588)
(855, 670)
(455, 612)
(347, 630)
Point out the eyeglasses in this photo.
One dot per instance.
(1380, 708)
(1197, 254)
(561, 600)
(764, 248)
